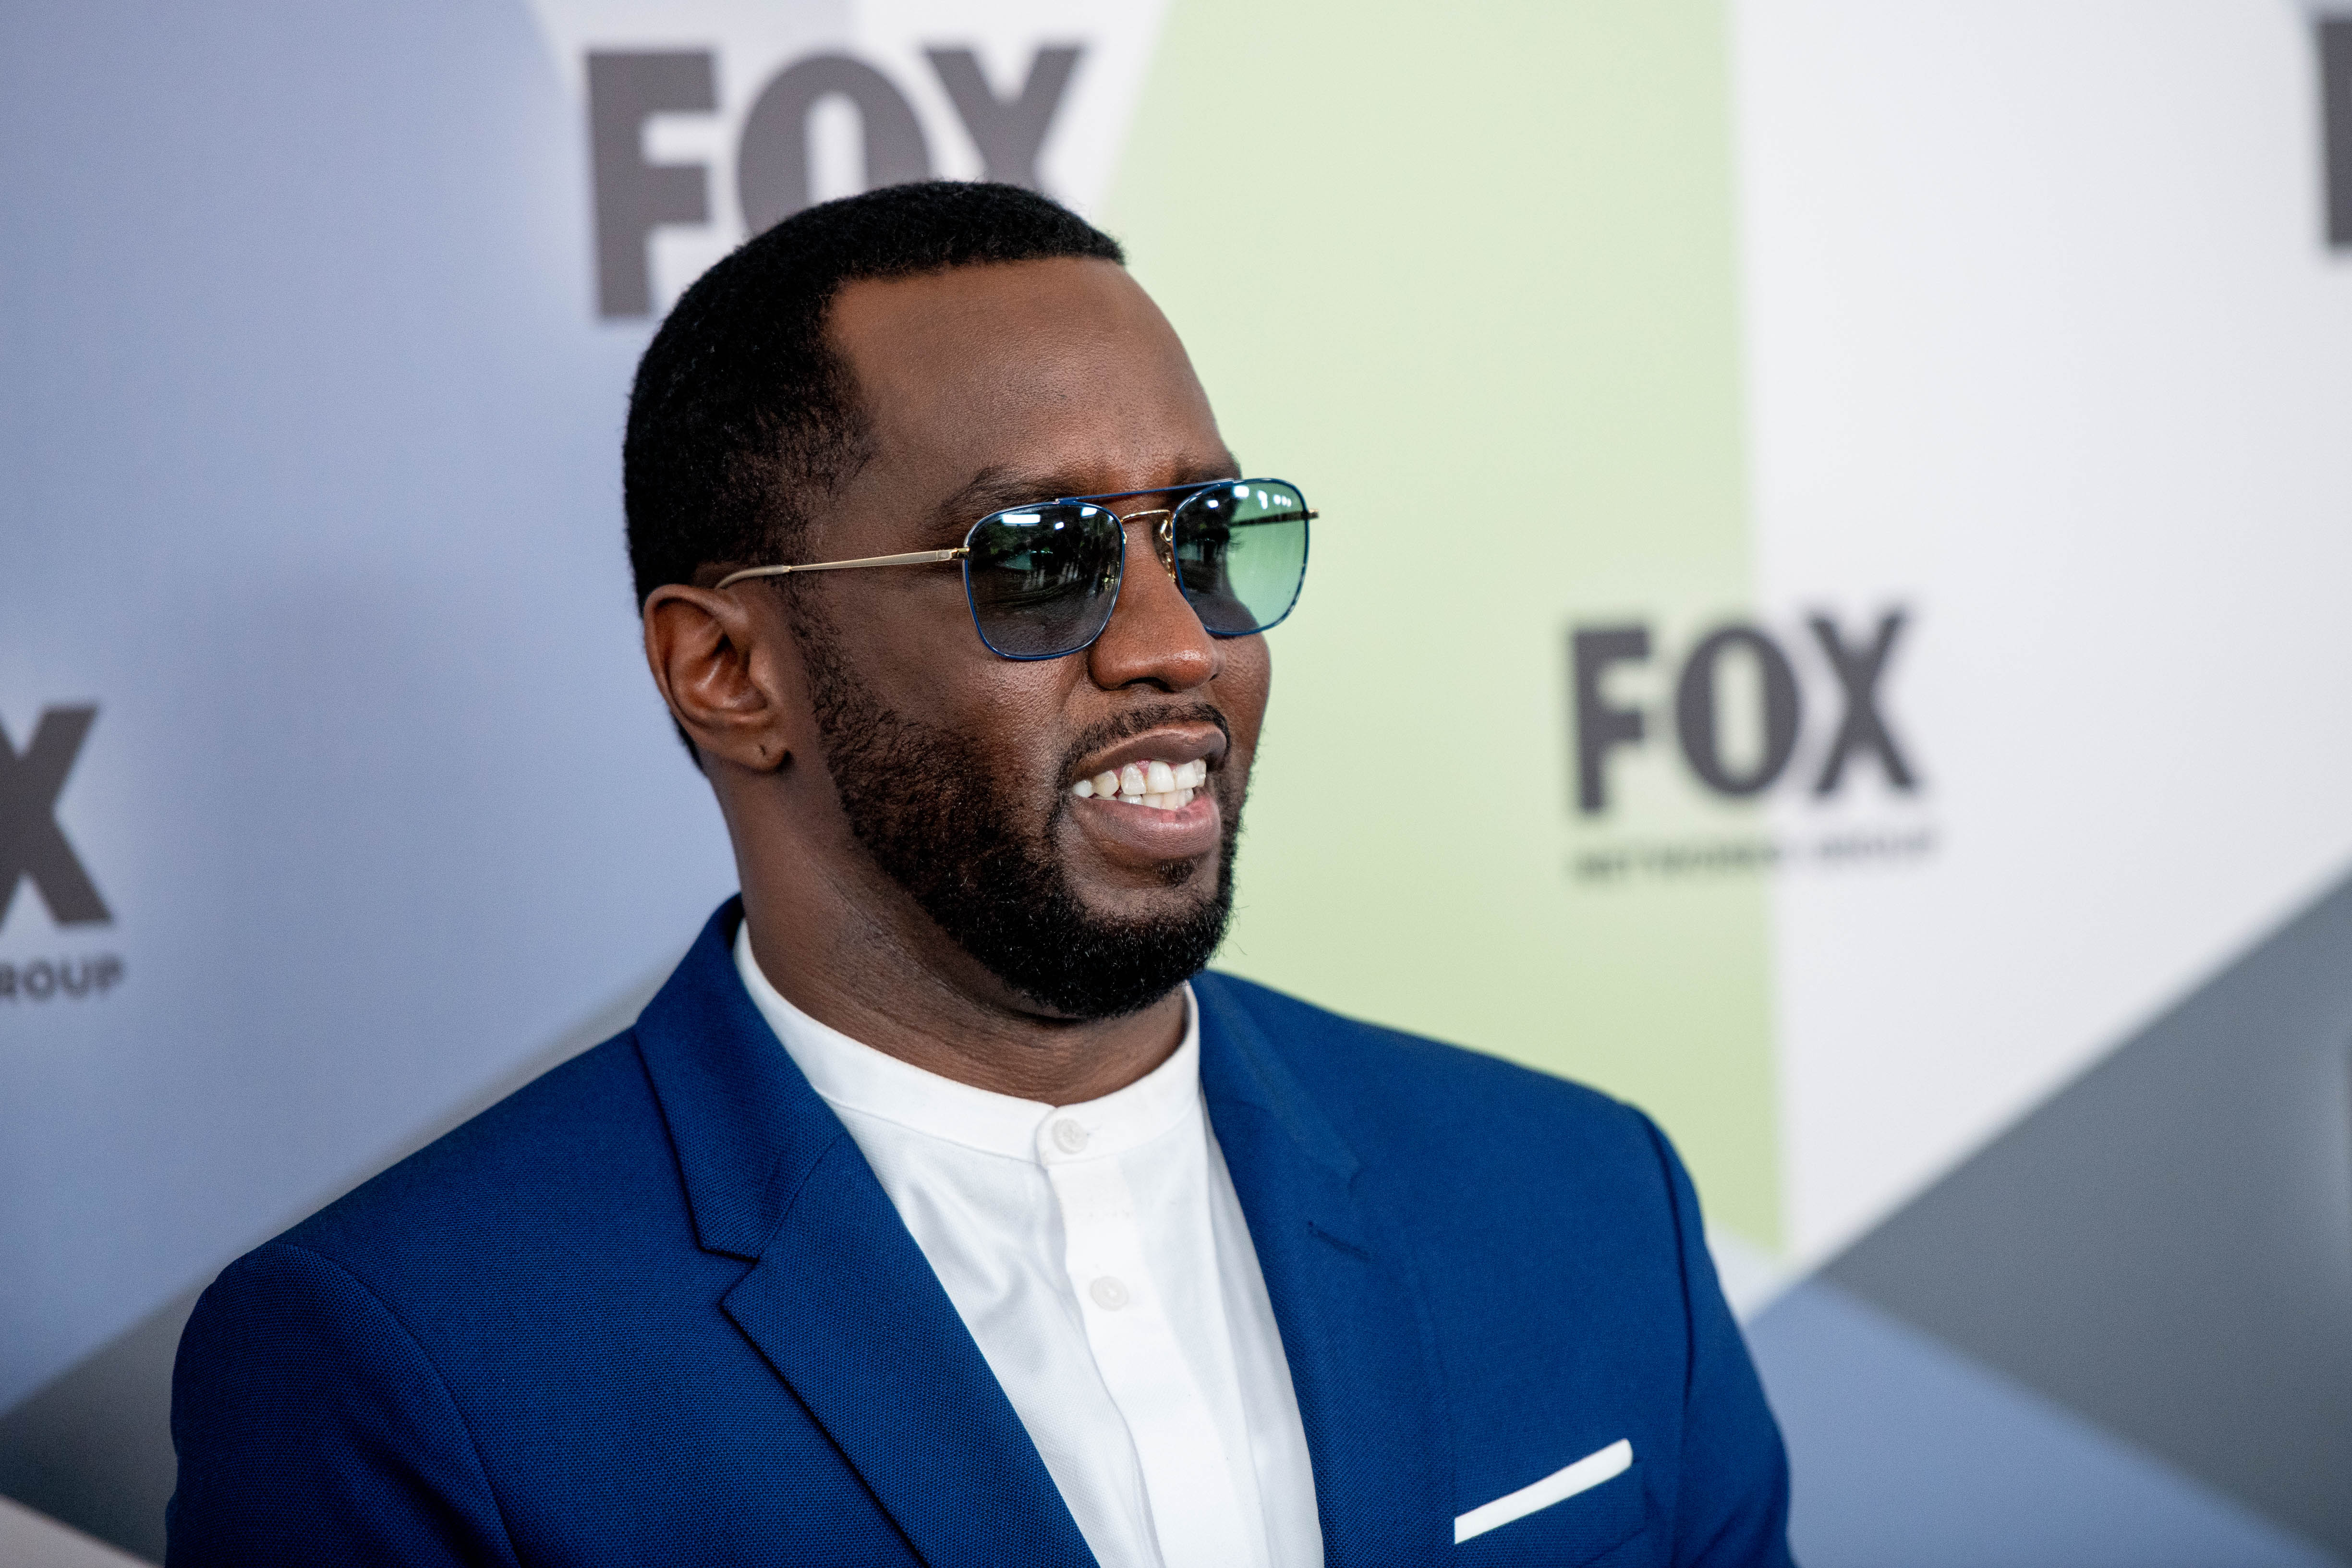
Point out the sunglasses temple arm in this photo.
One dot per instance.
(914, 557)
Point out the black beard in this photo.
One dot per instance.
(925, 804)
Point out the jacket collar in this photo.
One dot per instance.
(747, 1127)
(839, 1299)
(1354, 1327)
(847, 1310)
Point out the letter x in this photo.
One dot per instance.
(1858, 671)
(32, 845)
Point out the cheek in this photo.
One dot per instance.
(1010, 715)
(906, 625)
(1243, 687)
(1021, 724)
(916, 649)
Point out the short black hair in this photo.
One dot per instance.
(742, 415)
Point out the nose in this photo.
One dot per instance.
(1154, 639)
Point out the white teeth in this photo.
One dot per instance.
(1163, 786)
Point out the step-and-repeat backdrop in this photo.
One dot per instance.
(1835, 622)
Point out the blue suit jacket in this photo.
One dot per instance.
(655, 1308)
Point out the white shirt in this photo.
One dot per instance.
(1099, 1257)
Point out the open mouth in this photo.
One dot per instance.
(1154, 786)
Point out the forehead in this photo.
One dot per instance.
(1062, 365)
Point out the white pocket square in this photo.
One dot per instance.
(1558, 1487)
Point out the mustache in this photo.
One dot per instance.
(1110, 733)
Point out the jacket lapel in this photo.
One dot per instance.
(1353, 1328)
(840, 1300)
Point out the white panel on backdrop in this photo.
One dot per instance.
(2044, 334)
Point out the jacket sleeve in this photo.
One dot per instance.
(312, 1429)
(1732, 1509)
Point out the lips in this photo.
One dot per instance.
(1165, 760)
(1147, 800)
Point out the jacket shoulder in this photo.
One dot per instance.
(580, 1146)
(1368, 1078)
(1489, 1167)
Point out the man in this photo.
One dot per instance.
(940, 1209)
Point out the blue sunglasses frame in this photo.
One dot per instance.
(1163, 539)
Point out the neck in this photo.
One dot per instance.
(864, 959)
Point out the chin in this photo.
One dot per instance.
(1175, 888)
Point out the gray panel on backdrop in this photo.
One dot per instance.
(92, 1447)
(2166, 1247)
(332, 759)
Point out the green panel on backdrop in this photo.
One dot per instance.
(1467, 276)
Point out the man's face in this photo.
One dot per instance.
(988, 387)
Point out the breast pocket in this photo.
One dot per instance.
(1576, 1516)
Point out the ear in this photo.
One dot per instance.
(730, 675)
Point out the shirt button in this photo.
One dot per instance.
(1108, 1293)
(1070, 1137)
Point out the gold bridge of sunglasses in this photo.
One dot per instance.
(1163, 542)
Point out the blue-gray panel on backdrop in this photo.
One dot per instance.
(2165, 1247)
(1902, 1450)
(310, 433)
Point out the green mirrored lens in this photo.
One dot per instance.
(1241, 553)
(1043, 579)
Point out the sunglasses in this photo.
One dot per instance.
(1043, 580)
